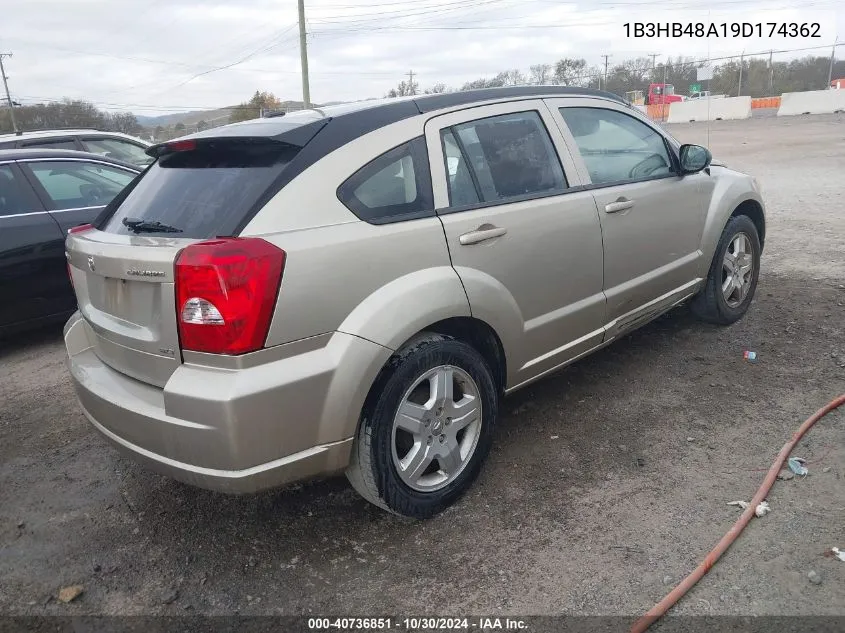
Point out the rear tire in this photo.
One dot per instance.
(732, 278)
(419, 462)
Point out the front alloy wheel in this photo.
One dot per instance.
(732, 278)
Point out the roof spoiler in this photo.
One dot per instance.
(295, 135)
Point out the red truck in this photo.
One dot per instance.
(661, 93)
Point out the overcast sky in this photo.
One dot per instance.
(147, 55)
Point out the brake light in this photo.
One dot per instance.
(80, 228)
(226, 290)
(182, 146)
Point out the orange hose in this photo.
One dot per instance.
(660, 609)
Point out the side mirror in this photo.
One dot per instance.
(694, 158)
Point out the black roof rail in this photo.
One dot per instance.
(429, 103)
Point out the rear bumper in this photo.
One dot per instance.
(234, 430)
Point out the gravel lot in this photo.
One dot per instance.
(607, 482)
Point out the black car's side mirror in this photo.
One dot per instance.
(694, 158)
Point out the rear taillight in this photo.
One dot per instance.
(76, 229)
(80, 228)
(225, 294)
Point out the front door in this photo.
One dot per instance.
(32, 255)
(525, 244)
(652, 218)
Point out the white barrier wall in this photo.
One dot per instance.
(710, 109)
(812, 102)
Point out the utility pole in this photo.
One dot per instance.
(829, 71)
(605, 71)
(771, 76)
(653, 60)
(741, 62)
(303, 57)
(413, 90)
(9, 97)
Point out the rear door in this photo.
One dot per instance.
(520, 232)
(652, 218)
(33, 275)
(124, 278)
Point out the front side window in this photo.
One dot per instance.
(117, 149)
(75, 184)
(394, 186)
(504, 157)
(617, 147)
(13, 197)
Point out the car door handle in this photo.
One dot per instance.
(622, 204)
(481, 234)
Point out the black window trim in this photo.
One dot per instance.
(465, 157)
(422, 175)
(670, 150)
(482, 204)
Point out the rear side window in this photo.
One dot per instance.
(118, 149)
(206, 192)
(77, 184)
(395, 186)
(56, 144)
(510, 156)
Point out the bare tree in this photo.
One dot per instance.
(404, 89)
(512, 77)
(570, 72)
(436, 89)
(540, 74)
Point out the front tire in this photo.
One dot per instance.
(732, 278)
(426, 427)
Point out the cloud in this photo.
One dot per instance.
(148, 55)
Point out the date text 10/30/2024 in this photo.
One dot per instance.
(722, 29)
(417, 624)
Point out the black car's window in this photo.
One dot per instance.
(207, 191)
(77, 184)
(617, 147)
(394, 186)
(119, 149)
(510, 155)
(51, 144)
(13, 197)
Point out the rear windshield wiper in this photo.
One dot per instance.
(139, 226)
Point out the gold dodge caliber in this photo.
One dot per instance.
(355, 288)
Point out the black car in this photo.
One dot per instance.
(43, 194)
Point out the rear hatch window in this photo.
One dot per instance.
(205, 190)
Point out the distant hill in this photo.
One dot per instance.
(195, 116)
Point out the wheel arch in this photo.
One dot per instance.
(754, 210)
